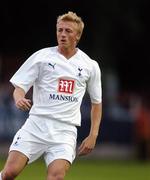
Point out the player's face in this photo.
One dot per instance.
(67, 34)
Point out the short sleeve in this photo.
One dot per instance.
(27, 73)
(94, 86)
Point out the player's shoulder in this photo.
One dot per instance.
(46, 50)
(86, 58)
(42, 54)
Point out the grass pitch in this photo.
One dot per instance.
(91, 170)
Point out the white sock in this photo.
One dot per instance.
(0, 176)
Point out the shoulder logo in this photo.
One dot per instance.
(52, 65)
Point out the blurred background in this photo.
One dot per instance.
(116, 35)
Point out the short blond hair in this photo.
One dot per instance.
(71, 16)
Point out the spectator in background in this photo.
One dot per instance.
(142, 129)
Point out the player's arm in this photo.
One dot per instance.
(89, 142)
(96, 114)
(20, 100)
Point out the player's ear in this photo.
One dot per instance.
(78, 37)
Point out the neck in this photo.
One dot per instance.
(67, 53)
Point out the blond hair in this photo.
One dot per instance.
(71, 16)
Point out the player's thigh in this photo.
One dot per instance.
(28, 144)
(15, 163)
(58, 167)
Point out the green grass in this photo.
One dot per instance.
(92, 170)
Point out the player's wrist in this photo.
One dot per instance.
(94, 135)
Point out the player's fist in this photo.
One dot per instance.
(23, 104)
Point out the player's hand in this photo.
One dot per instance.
(23, 104)
(87, 145)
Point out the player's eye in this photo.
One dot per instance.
(69, 30)
(59, 30)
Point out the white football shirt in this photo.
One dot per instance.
(59, 84)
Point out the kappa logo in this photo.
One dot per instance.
(52, 65)
(66, 86)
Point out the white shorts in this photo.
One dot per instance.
(42, 136)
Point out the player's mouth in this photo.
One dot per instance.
(63, 40)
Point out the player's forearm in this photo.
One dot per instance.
(20, 100)
(96, 114)
(18, 94)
